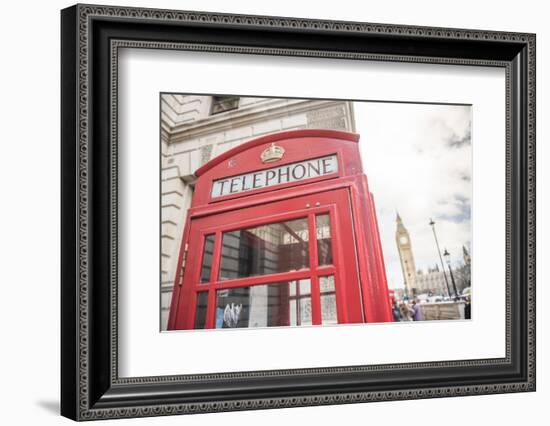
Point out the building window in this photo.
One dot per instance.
(223, 104)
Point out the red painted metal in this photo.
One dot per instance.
(314, 279)
(276, 137)
(358, 264)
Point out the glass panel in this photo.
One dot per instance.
(207, 258)
(224, 103)
(268, 305)
(265, 249)
(328, 300)
(200, 312)
(324, 245)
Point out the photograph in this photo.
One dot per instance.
(291, 212)
(268, 210)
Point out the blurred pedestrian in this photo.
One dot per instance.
(467, 309)
(406, 312)
(417, 311)
(396, 312)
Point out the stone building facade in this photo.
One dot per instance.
(195, 129)
(432, 281)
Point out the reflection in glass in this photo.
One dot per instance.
(268, 305)
(200, 312)
(324, 245)
(207, 258)
(265, 249)
(328, 300)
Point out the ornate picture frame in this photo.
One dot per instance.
(91, 37)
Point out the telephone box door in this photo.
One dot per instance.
(291, 262)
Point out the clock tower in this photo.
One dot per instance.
(406, 255)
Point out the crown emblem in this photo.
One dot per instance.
(272, 153)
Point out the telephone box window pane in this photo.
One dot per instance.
(267, 305)
(324, 244)
(207, 258)
(200, 311)
(265, 249)
(328, 300)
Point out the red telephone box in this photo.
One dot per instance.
(282, 231)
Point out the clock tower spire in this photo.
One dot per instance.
(405, 255)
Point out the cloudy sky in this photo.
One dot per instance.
(418, 161)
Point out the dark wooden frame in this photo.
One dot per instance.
(90, 386)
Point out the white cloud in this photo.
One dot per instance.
(418, 161)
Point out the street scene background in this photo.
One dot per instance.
(418, 159)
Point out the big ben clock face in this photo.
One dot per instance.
(403, 239)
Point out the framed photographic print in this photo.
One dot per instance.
(263, 212)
